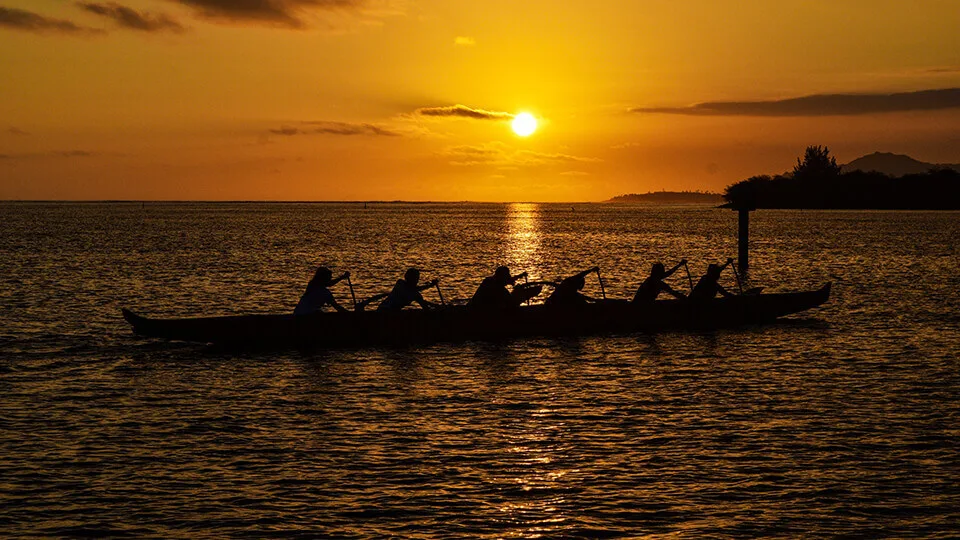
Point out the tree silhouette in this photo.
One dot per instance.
(816, 163)
(817, 182)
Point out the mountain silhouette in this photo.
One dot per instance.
(894, 164)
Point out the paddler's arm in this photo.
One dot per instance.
(675, 268)
(517, 277)
(425, 304)
(338, 307)
(585, 273)
(345, 275)
(723, 291)
(428, 285)
(669, 289)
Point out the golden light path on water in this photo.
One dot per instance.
(523, 237)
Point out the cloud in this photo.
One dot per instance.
(462, 111)
(464, 41)
(13, 130)
(334, 128)
(51, 154)
(28, 21)
(502, 156)
(574, 173)
(132, 19)
(944, 69)
(283, 13)
(822, 105)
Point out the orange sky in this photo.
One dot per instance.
(355, 99)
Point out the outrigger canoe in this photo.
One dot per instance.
(460, 323)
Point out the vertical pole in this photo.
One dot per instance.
(743, 241)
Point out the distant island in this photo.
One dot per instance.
(669, 197)
(877, 181)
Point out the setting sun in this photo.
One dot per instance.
(524, 124)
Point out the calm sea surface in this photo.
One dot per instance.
(841, 421)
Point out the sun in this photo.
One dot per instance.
(524, 124)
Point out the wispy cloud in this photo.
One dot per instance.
(464, 41)
(462, 111)
(822, 105)
(13, 130)
(283, 13)
(28, 21)
(943, 69)
(51, 154)
(502, 156)
(132, 19)
(333, 128)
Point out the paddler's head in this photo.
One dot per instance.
(658, 270)
(412, 276)
(502, 276)
(323, 276)
(714, 271)
(579, 282)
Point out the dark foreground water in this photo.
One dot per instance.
(843, 421)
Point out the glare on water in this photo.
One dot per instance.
(838, 422)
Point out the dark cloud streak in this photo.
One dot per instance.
(822, 105)
(51, 154)
(132, 19)
(462, 111)
(285, 13)
(28, 21)
(334, 128)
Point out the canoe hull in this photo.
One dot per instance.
(458, 323)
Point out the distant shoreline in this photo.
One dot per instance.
(670, 197)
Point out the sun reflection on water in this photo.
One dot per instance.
(523, 236)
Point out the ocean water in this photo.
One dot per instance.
(843, 421)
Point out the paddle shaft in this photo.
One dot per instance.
(737, 274)
(437, 285)
(689, 277)
(354, 296)
(603, 292)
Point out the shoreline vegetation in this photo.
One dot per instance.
(669, 197)
(817, 182)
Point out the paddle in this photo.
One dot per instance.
(437, 285)
(737, 274)
(350, 284)
(603, 292)
(525, 282)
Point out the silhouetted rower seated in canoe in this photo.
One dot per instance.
(406, 292)
(708, 287)
(492, 293)
(317, 294)
(567, 293)
(651, 287)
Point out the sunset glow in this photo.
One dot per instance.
(390, 99)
